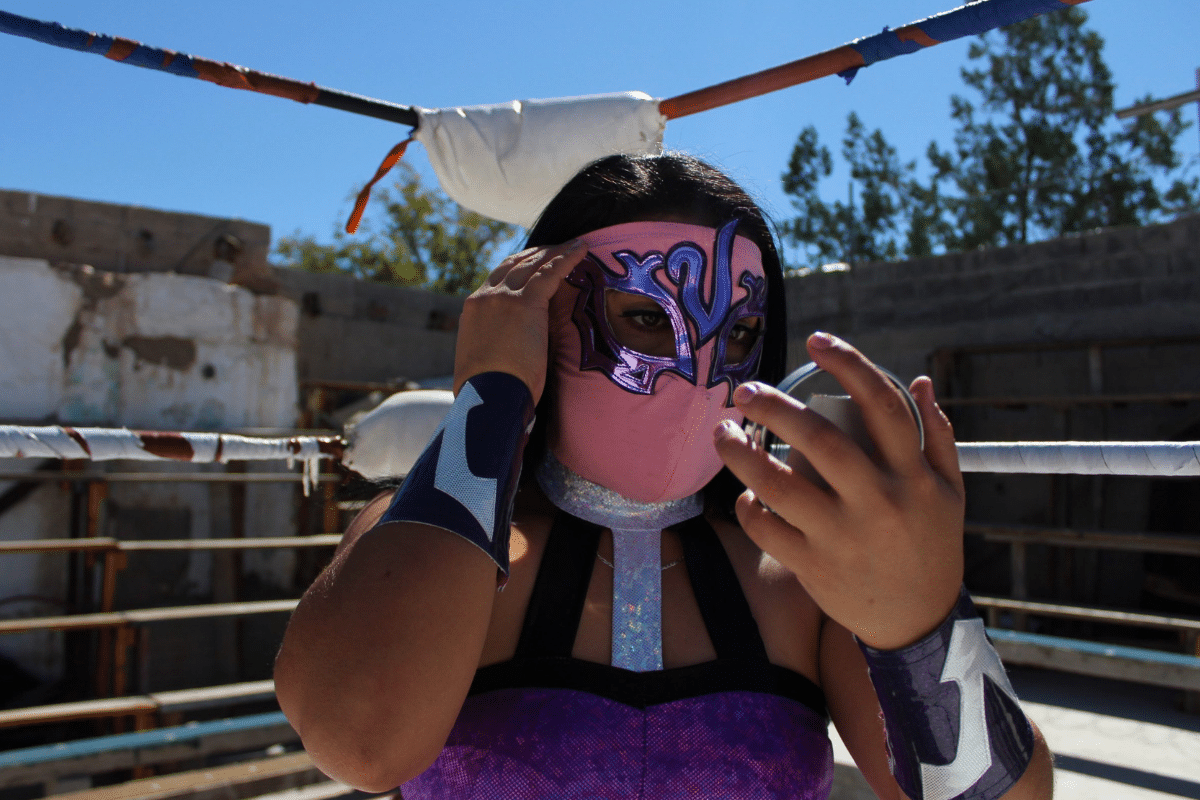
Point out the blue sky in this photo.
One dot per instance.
(79, 125)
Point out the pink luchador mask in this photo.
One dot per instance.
(639, 423)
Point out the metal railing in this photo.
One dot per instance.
(124, 631)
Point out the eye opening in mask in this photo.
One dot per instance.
(640, 323)
(740, 342)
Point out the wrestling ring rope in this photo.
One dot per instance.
(109, 444)
(1144, 459)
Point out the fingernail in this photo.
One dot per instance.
(821, 340)
(745, 393)
(728, 429)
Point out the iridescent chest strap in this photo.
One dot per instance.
(637, 557)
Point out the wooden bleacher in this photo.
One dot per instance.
(50, 765)
(291, 776)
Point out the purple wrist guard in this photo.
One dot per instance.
(466, 479)
(954, 726)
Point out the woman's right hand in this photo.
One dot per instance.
(504, 325)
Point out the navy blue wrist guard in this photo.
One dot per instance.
(466, 479)
(954, 726)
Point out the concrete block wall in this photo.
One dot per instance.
(352, 330)
(1022, 319)
(155, 350)
(117, 238)
(1111, 283)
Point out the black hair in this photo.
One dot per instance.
(621, 188)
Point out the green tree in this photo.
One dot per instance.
(868, 225)
(412, 235)
(1038, 153)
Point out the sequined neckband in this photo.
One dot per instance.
(594, 503)
(637, 555)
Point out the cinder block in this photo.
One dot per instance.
(1157, 238)
(1169, 290)
(1070, 246)
(1183, 261)
(120, 238)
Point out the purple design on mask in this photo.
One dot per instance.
(686, 266)
(628, 368)
(753, 305)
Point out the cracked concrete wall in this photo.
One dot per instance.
(80, 346)
(1110, 283)
(152, 350)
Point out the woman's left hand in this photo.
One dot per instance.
(880, 550)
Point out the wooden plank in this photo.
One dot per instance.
(146, 615)
(208, 696)
(1091, 614)
(264, 543)
(107, 543)
(85, 709)
(1177, 544)
(52, 545)
(179, 700)
(1106, 661)
(209, 610)
(1070, 400)
(325, 790)
(166, 477)
(232, 781)
(69, 622)
(46, 764)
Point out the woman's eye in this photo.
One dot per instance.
(646, 318)
(639, 323)
(744, 333)
(742, 338)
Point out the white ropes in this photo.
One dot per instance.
(1159, 459)
(107, 444)
(1132, 459)
(1147, 459)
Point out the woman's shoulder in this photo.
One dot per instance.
(366, 519)
(749, 560)
(788, 618)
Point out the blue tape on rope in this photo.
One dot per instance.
(153, 58)
(75, 39)
(54, 33)
(969, 20)
(881, 47)
(160, 737)
(982, 17)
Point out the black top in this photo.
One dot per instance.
(543, 658)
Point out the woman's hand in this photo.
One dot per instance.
(881, 549)
(504, 324)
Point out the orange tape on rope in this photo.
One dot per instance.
(360, 204)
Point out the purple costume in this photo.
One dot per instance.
(545, 725)
(630, 445)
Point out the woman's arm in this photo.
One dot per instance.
(855, 711)
(880, 549)
(380, 653)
